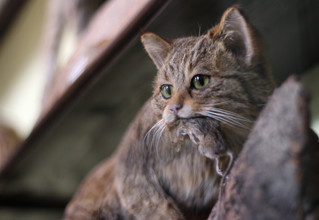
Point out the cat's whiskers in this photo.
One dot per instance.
(215, 104)
(154, 134)
(229, 118)
(224, 120)
(148, 134)
(231, 115)
(159, 135)
(199, 29)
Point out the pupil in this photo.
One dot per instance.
(168, 90)
(200, 80)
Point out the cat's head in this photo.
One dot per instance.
(222, 74)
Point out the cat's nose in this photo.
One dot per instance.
(175, 107)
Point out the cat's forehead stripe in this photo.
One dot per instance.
(166, 76)
(185, 52)
(171, 68)
(191, 52)
(197, 49)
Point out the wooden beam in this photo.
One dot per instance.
(109, 33)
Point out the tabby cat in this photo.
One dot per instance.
(207, 94)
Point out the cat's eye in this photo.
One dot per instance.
(200, 81)
(166, 91)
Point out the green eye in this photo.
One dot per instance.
(166, 91)
(200, 81)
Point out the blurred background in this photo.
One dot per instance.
(21, 78)
(101, 76)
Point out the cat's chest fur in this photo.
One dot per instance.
(187, 176)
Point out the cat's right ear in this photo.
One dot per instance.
(156, 47)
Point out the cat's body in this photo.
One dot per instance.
(208, 91)
(185, 176)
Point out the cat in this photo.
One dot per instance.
(207, 93)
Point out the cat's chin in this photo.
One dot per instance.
(204, 133)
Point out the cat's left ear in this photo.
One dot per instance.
(156, 47)
(238, 35)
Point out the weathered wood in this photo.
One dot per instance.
(276, 176)
(105, 39)
(42, 185)
(107, 31)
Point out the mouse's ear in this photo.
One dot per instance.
(156, 47)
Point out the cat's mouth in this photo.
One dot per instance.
(172, 120)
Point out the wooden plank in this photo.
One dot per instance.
(106, 32)
(112, 29)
